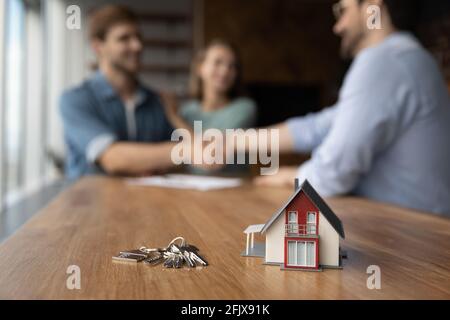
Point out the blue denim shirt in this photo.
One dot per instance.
(387, 137)
(94, 117)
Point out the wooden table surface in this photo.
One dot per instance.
(97, 217)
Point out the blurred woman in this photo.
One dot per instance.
(217, 101)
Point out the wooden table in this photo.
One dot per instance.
(97, 217)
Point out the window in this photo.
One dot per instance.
(23, 94)
(302, 253)
(13, 112)
(311, 223)
(292, 217)
(292, 255)
(310, 253)
(292, 222)
(2, 93)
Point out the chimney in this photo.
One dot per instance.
(297, 185)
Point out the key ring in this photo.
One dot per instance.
(149, 250)
(183, 242)
(173, 256)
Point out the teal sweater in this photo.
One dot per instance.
(239, 113)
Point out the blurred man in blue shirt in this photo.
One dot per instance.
(387, 137)
(112, 123)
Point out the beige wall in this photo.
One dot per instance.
(275, 241)
(328, 243)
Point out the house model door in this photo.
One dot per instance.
(301, 253)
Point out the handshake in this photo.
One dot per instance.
(211, 149)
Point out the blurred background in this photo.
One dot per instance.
(289, 53)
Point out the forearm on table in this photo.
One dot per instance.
(286, 141)
(136, 158)
(283, 140)
(179, 123)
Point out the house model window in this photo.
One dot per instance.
(292, 225)
(311, 223)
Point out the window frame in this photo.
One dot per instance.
(311, 225)
(306, 255)
(289, 217)
(2, 97)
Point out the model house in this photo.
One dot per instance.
(303, 234)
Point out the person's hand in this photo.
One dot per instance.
(170, 103)
(209, 167)
(284, 178)
(207, 164)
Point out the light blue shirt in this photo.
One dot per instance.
(388, 136)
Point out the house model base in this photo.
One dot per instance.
(302, 235)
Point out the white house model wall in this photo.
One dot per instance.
(328, 243)
(275, 240)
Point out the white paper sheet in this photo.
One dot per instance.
(184, 181)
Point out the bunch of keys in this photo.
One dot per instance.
(172, 256)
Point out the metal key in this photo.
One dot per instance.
(172, 256)
(130, 256)
(187, 258)
(193, 255)
(154, 259)
(178, 261)
(185, 255)
(177, 256)
(169, 263)
(198, 258)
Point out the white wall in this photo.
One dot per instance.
(328, 243)
(275, 240)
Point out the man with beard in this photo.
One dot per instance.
(112, 123)
(387, 137)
